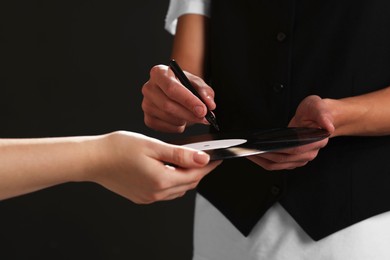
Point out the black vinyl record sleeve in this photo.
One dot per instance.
(222, 146)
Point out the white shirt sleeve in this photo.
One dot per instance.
(179, 7)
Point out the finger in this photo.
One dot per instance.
(177, 182)
(305, 148)
(158, 105)
(156, 112)
(165, 190)
(297, 154)
(178, 191)
(173, 89)
(272, 166)
(174, 193)
(174, 196)
(160, 125)
(181, 156)
(290, 158)
(161, 196)
(154, 97)
(181, 176)
(206, 93)
(327, 124)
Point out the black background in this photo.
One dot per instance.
(77, 68)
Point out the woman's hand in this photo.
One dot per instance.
(312, 112)
(146, 170)
(170, 107)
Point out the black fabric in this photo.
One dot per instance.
(266, 56)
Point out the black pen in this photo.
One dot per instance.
(186, 82)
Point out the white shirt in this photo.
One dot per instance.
(276, 236)
(178, 8)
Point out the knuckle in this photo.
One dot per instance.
(178, 155)
(193, 185)
(142, 201)
(202, 173)
(268, 166)
(159, 185)
(155, 70)
(272, 167)
(155, 197)
(177, 129)
(197, 179)
(202, 87)
(198, 81)
(299, 149)
(181, 194)
(145, 88)
(148, 122)
(282, 159)
(144, 105)
(297, 165)
(312, 156)
(324, 143)
(303, 163)
(137, 201)
(181, 129)
(171, 88)
(152, 197)
(189, 100)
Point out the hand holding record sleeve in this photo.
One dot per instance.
(221, 146)
(312, 112)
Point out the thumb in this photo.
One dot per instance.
(328, 125)
(183, 157)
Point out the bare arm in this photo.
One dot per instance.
(129, 164)
(364, 115)
(190, 43)
(27, 165)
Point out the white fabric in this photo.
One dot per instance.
(180, 7)
(276, 236)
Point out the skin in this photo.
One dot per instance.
(167, 107)
(139, 168)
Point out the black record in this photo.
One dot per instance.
(222, 146)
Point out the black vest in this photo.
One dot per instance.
(265, 57)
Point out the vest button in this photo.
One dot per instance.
(281, 37)
(278, 88)
(275, 190)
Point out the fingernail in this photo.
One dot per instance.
(199, 110)
(201, 157)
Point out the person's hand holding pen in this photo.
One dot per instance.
(169, 106)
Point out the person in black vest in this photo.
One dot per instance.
(276, 64)
(129, 164)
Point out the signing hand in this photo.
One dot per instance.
(170, 107)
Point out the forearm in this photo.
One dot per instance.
(190, 43)
(365, 115)
(27, 165)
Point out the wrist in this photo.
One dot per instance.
(347, 116)
(94, 158)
